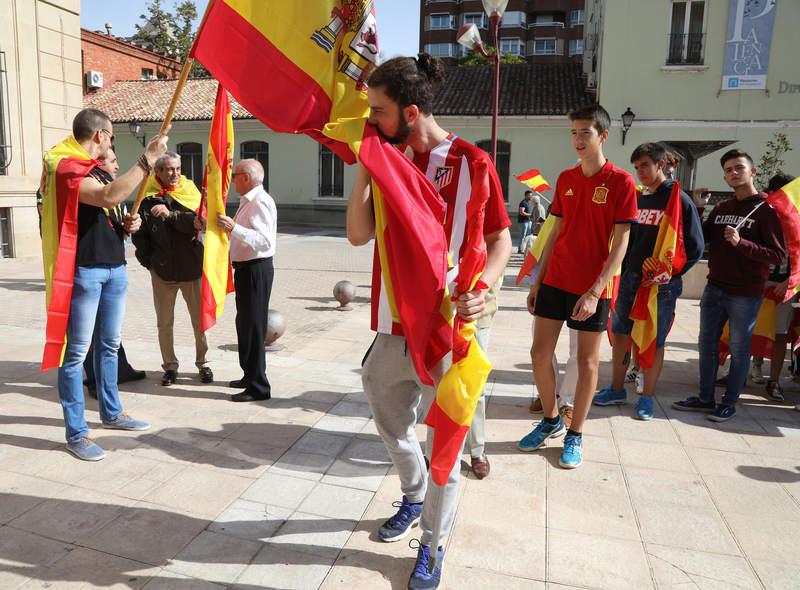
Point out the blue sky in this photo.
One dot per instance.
(398, 20)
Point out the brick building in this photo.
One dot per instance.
(117, 59)
(541, 31)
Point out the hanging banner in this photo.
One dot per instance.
(748, 44)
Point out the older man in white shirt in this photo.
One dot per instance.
(253, 232)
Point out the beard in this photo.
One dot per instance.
(403, 131)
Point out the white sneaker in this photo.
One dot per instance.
(630, 376)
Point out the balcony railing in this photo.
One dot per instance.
(685, 49)
(555, 24)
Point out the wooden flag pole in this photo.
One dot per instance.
(187, 67)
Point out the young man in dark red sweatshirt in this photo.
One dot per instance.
(745, 238)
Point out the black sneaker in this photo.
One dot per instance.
(694, 404)
(722, 413)
(775, 391)
(206, 375)
(169, 377)
(399, 525)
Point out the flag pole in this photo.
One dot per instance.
(187, 67)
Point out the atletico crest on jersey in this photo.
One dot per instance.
(442, 176)
(600, 195)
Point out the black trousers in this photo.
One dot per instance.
(253, 282)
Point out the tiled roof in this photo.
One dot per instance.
(525, 89)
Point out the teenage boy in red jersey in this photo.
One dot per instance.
(594, 204)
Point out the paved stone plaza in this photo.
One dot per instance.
(289, 493)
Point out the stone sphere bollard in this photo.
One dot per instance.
(276, 326)
(344, 292)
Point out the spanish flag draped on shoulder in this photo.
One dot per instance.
(217, 274)
(669, 257)
(184, 191)
(65, 166)
(301, 67)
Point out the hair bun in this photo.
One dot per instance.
(432, 67)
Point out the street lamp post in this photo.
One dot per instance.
(627, 120)
(136, 129)
(469, 37)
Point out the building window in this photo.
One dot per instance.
(257, 150)
(576, 46)
(512, 46)
(331, 174)
(148, 74)
(441, 49)
(441, 21)
(503, 161)
(476, 18)
(191, 154)
(514, 18)
(5, 233)
(576, 17)
(5, 120)
(547, 46)
(686, 36)
(547, 20)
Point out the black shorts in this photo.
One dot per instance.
(555, 304)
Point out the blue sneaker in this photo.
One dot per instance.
(421, 578)
(572, 455)
(609, 396)
(722, 413)
(125, 422)
(644, 409)
(536, 438)
(86, 449)
(399, 525)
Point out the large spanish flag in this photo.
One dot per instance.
(217, 274)
(669, 257)
(301, 67)
(65, 166)
(786, 203)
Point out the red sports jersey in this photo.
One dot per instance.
(588, 207)
(448, 167)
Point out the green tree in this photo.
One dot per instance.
(474, 58)
(772, 159)
(171, 32)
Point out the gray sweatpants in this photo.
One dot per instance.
(396, 396)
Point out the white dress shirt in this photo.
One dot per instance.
(255, 231)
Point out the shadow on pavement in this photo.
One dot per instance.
(137, 537)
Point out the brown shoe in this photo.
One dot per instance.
(566, 415)
(480, 466)
(169, 377)
(536, 406)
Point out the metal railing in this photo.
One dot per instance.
(685, 49)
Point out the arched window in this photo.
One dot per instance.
(503, 163)
(257, 150)
(331, 174)
(191, 154)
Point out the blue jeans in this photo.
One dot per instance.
(716, 308)
(98, 295)
(668, 294)
(525, 228)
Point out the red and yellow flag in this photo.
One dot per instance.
(534, 255)
(534, 180)
(301, 67)
(669, 257)
(217, 274)
(65, 166)
(786, 203)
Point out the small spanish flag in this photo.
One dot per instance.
(534, 180)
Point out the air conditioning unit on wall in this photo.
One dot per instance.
(94, 79)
